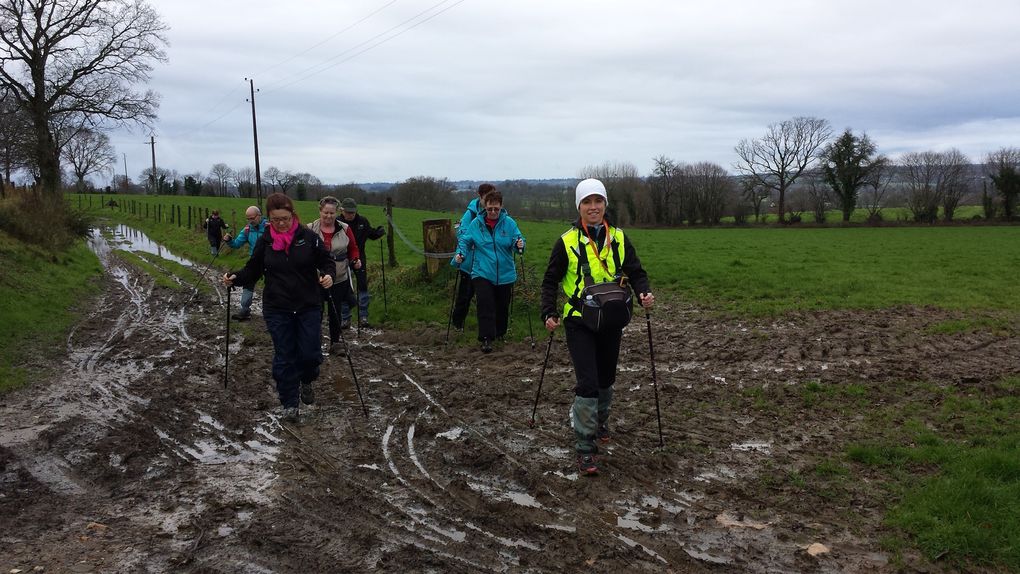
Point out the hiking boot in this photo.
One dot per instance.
(486, 346)
(241, 316)
(335, 348)
(363, 324)
(587, 465)
(345, 324)
(290, 414)
(603, 433)
(307, 394)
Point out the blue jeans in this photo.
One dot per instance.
(363, 297)
(296, 354)
(247, 293)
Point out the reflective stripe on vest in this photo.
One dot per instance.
(573, 280)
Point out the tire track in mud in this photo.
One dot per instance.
(534, 519)
(670, 522)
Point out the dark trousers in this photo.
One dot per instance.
(493, 306)
(462, 302)
(340, 293)
(594, 356)
(361, 279)
(296, 355)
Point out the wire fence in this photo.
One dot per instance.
(415, 248)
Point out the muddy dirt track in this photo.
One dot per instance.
(134, 458)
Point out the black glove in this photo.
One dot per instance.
(380, 230)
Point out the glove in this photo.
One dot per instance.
(380, 230)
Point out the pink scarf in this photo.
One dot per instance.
(281, 240)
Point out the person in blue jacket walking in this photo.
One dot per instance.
(250, 235)
(492, 239)
(465, 290)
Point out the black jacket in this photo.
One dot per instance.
(363, 231)
(292, 278)
(552, 282)
(214, 227)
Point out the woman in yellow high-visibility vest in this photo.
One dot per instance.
(595, 246)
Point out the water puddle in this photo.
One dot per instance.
(128, 239)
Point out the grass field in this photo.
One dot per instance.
(750, 271)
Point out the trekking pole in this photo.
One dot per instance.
(201, 276)
(527, 309)
(548, 348)
(353, 294)
(655, 386)
(226, 346)
(453, 300)
(382, 265)
(347, 351)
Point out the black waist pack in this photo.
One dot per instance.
(606, 306)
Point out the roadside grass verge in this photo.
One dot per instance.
(41, 295)
(942, 464)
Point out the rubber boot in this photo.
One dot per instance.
(585, 415)
(605, 400)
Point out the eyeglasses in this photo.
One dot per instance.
(496, 209)
(285, 219)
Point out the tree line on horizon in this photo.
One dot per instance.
(73, 75)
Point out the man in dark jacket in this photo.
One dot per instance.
(363, 231)
(214, 228)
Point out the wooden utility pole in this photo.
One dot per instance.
(255, 132)
(152, 176)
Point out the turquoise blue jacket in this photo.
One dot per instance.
(474, 211)
(251, 234)
(493, 249)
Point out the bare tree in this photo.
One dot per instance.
(847, 165)
(159, 181)
(244, 179)
(306, 186)
(954, 181)
(817, 192)
(922, 184)
(425, 193)
(876, 189)
(776, 160)
(755, 194)
(90, 153)
(664, 190)
(220, 175)
(15, 145)
(1003, 167)
(934, 179)
(629, 200)
(283, 180)
(79, 58)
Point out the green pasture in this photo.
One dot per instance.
(755, 270)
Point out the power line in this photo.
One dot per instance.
(312, 47)
(328, 64)
(278, 64)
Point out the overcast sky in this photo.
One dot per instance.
(383, 90)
